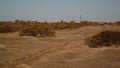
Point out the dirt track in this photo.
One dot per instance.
(67, 50)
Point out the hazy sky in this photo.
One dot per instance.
(56, 10)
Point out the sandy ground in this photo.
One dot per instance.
(67, 50)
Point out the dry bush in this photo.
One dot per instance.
(38, 29)
(18, 25)
(27, 28)
(66, 25)
(6, 27)
(41, 29)
(105, 38)
(59, 25)
(118, 23)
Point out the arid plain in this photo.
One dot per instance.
(67, 50)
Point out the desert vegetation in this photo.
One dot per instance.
(44, 29)
(105, 38)
(68, 48)
(6, 27)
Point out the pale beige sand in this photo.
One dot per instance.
(67, 50)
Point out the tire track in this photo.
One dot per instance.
(29, 59)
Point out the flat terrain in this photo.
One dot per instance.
(67, 50)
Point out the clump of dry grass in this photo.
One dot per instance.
(6, 27)
(105, 38)
(44, 29)
(38, 31)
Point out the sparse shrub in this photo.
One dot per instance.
(118, 23)
(42, 29)
(105, 38)
(6, 27)
(35, 30)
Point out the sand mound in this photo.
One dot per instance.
(2, 47)
(23, 66)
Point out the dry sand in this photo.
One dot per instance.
(67, 50)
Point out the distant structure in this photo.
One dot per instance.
(80, 18)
